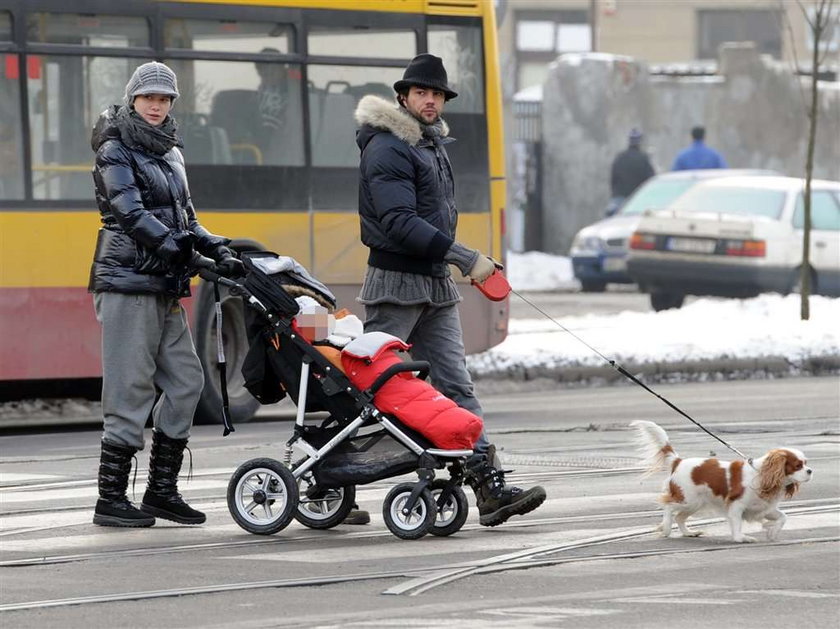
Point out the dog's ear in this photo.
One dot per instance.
(791, 490)
(772, 475)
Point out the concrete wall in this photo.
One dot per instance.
(754, 113)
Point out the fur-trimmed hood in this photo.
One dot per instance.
(375, 111)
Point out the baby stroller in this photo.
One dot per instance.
(354, 444)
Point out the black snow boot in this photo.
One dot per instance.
(162, 498)
(497, 502)
(113, 507)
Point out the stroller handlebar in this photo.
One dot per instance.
(422, 366)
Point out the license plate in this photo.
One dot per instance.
(691, 245)
(615, 264)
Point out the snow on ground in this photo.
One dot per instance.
(705, 329)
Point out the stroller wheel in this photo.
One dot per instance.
(414, 524)
(262, 496)
(451, 515)
(327, 508)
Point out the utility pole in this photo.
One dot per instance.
(593, 24)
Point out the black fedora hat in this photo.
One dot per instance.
(426, 71)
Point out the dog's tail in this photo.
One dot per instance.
(653, 443)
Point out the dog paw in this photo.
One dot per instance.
(693, 533)
(745, 539)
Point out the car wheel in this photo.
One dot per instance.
(593, 286)
(666, 301)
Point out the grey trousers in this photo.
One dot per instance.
(146, 347)
(435, 335)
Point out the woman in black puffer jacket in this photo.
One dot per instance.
(148, 241)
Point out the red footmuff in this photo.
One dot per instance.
(415, 402)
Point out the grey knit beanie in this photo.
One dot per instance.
(151, 78)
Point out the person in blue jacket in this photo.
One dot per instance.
(698, 156)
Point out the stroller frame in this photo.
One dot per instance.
(264, 495)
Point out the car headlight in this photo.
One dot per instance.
(587, 243)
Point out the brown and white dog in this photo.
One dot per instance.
(739, 490)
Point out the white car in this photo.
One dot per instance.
(599, 251)
(737, 237)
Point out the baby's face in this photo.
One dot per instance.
(316, 325)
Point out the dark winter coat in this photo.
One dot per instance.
(630, 169)
(406, 190)
(142, 197)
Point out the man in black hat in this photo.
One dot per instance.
(408, 218)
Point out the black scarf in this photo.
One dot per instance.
(134, 131)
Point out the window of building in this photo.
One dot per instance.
(542, 35)
(762, 26)
(830, 39)
(229, 36)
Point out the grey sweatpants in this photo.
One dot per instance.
(146, 345)
(435, 335)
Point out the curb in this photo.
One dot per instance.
(766, 367)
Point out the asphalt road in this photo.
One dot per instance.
(588, 558)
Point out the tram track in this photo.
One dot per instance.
(309, 536)
(440, 575)
(513, 560)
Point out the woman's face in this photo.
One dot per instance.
(153, 108)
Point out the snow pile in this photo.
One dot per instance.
(705, 329)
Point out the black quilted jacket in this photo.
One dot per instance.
(141, 198)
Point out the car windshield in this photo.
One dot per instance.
(733, 200)
(656, 195)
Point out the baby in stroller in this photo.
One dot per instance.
(360, 387)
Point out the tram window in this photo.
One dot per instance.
(5, 26)
(66, 96)
(334, 92)
(242, 125)
(228, 36)
(11, 143)
(461, 51)
(112, 31)
(362, 42)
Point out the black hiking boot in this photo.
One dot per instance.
(497, 502)
(162, 498)
(113, 507)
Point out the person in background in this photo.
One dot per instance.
(630, 169)
(698, 155)
(149, 240)
(408, 218)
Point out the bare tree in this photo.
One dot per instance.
(823, 20)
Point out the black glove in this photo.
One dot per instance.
(231, 267)
(199, 262)
(176, 248)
